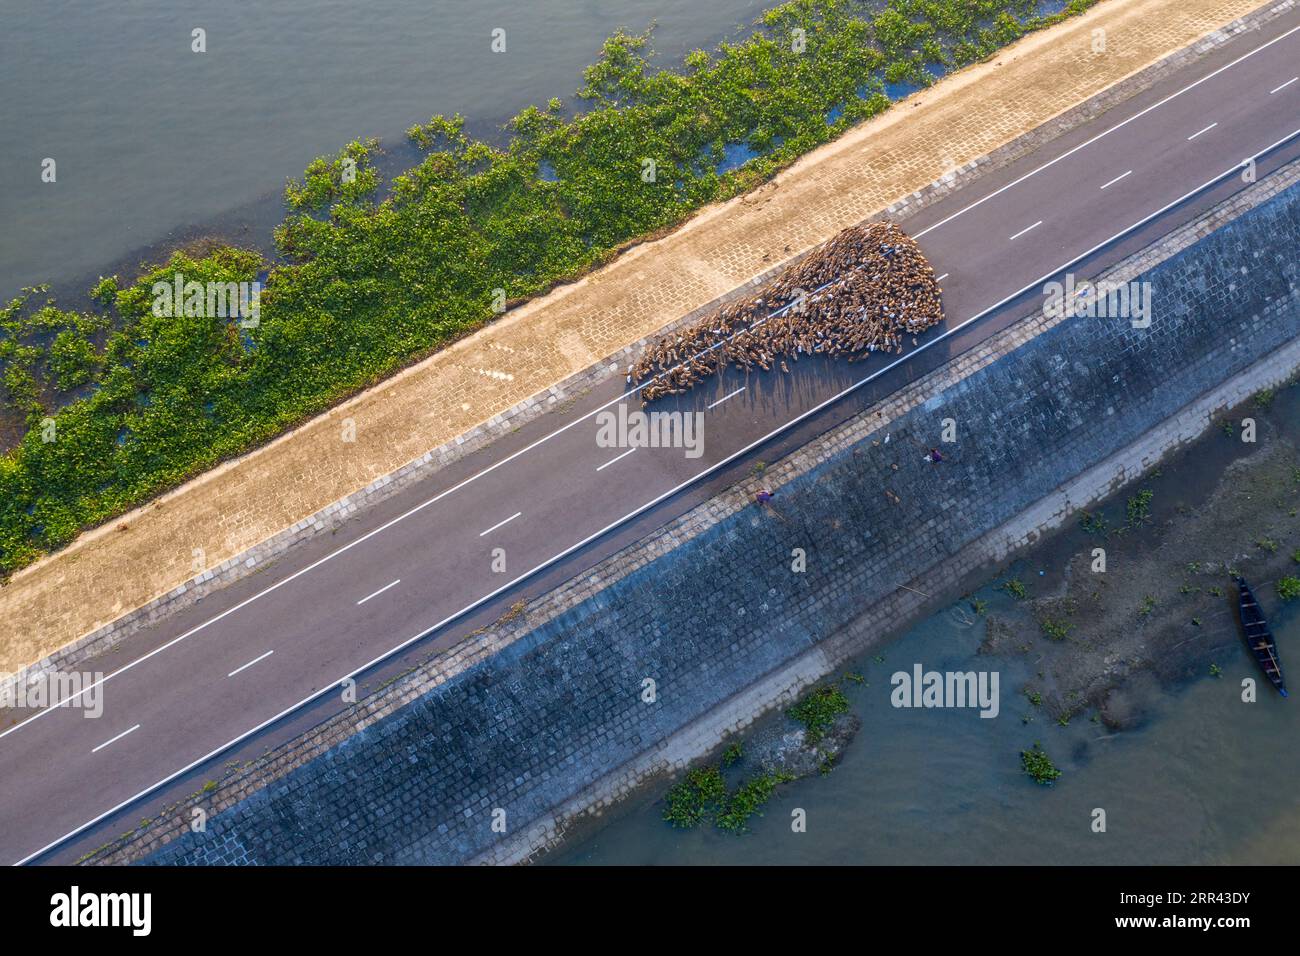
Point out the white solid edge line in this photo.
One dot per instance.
(1200, 131)
(725, 397)
(115, 739)
(644, 508)
(380, 591)
(500, 524)
(1278, 89)
(1025, 230)
(563, 428)
(1117, 179)
(1107, 132)
(942, 277)
(243, 667)
(619, 458)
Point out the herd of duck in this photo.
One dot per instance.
(858, 294)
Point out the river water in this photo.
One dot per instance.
(154, 142)
(1203, 778)
(1207, 780)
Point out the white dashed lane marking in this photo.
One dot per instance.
(500, 523)
(380, 591)
(1026, 229)
(115, 739)
(727, 396)
(250, 663)
(619, 458)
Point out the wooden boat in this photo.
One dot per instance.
(1258, 637)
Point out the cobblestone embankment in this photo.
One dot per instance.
(544, 719)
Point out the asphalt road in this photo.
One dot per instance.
(262, 660)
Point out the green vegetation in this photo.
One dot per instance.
(1054, 629)
(1288, 589)
(1137, 510)
(1216, 670)
(1092, 523)
(1295, 555)
(703, 794)
(1148, 605)
(818, 711)
(700, 795)
(748, 800)
(1016, 588)
(732, 754)
(1039, 766)
(1035, 698)
(367, 283)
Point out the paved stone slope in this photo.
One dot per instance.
(544, 717)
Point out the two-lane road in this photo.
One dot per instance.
(185, 691)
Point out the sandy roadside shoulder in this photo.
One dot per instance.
(129, 562)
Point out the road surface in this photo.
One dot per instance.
(262, 660)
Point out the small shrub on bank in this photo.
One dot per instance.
(748, 800)
(1054, 629)
(1138, 508)
(699, 796)
(1016, 588)
(817, 711)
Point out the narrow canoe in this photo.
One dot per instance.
(1258, 637)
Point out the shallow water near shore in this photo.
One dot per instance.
(1201, 778)
(1207, 780)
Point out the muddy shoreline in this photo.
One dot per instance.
(1163, 612)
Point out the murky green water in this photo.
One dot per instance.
(1207, 780)
(153, 141)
